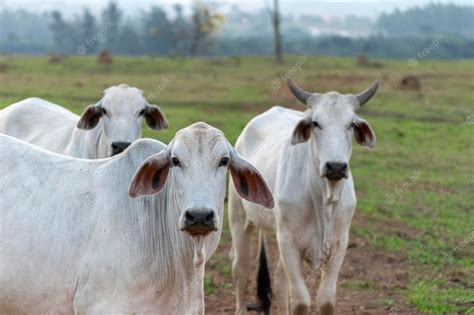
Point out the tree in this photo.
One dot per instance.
(205, 22)
(63, 38)
(127, 36)
(181, 31)
(428, 20)
(88, 32)
(111, 17)
(275, 17)
(157, 31)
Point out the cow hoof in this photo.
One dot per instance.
(257, 307)
(327, 309)
(301, 309)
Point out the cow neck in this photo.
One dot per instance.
(146, 226)
(323, 204)
(93, 142)
(192, 257)
(155, 239)
(102, 149)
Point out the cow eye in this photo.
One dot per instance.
(103, 111)
(352, 125)
(224, 162)
(175, 162)
(316, 125)
(142, 112)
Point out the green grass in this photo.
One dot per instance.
(436, 296)
(429, 133)
(209, 285)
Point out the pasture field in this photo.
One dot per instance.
(412, 238)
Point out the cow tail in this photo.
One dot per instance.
(264, 289)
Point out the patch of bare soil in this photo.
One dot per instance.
(363, 61)
(371, 281)
(410, 82)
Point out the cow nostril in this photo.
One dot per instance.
(189, 216)
(336, 170)
(199, 217)
(199, 221)
(336, 167)
(209, 217)
(118, 147)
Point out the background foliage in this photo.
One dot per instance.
(208, 30)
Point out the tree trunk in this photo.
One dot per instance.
(276, 31)
(194, 43)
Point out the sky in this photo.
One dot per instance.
(324, 8)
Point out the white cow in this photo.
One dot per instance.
(304, 156)
(103, 130)
(72, 241)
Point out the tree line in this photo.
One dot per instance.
(156, 33)
(206, 31)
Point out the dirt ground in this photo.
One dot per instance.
(368, 277)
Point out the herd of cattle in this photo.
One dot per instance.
(95, 220)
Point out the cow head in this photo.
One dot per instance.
(331, 122)
(195, 164)
(121, 110)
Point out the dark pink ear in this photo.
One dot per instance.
(249, 183)
(364, 134)
(302, 131)
(155, 118)
(151, 176)
(90, 117)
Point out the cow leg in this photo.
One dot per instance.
(291, 257)
(326, 298)
(241, 267)
(281, 290)
(241, 233)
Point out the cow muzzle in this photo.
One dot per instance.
(119, 147)
(335, 170)
(199, 222)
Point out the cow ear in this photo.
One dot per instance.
(302, 131)
(90, 117)
(248, 182)
(155, 118)
(364, 134)
(151, 176)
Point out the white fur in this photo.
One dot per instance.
(73, 242)
(312, 215)
(52, 127)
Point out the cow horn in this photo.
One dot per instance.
(297, 91)
(365, 96)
